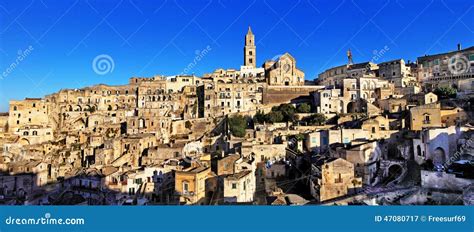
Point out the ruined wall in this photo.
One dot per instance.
(284, 94)
(441, 180)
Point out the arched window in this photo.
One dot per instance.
(25, 133)
(35, 133)
(141, 123)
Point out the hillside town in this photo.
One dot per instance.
(373, 133)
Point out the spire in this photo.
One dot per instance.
(249, 32)
(250, 57)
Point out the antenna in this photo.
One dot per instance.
(349, 57)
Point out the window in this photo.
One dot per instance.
(185, 187)
(427, 119)
(138, 181)
(234, 186)
(35, 132)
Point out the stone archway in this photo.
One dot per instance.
(439, 156)
(350, 107)
(24, 142)
(394, 171)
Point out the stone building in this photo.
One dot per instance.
(399, 74)
(30, 135)
(332, 178)
(364, 155)
(218, 97)
(334, 76)
(239, 187)
(436, 70)
(190, 185)
(283, 72)
(436, 144)
(31, 111)
(421, 99)
(392, 105)
(329, 101)
(453, 116)
(424, 116)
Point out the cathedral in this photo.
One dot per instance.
(279, 72)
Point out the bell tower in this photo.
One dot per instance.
(250, 56)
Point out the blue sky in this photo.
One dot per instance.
(148, 37)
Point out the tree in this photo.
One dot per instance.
(303, 108)
(259, 117)
(288, 112)
(445, 92)
(316, 119)
(299, 137)
(188, 125)
(237, 125)
(275, 116)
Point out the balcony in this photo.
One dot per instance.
(426, 121)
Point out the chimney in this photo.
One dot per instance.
(459, 47)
